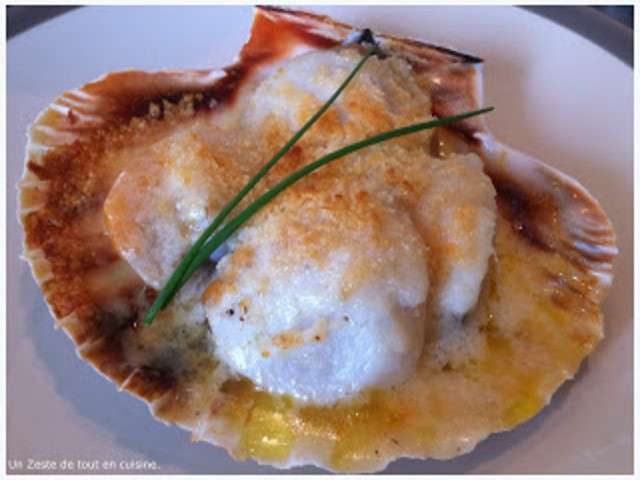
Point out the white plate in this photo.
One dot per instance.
(557, 96)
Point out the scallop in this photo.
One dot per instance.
(317, 323)
(405, 301)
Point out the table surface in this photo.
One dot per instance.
(609, 26)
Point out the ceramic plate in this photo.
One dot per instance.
(557, 97)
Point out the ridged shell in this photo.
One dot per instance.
(547, 209)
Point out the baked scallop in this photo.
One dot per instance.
(406, 301)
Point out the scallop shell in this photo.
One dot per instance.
(546, 210)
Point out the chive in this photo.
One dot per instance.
(173, 284)
(223, 234)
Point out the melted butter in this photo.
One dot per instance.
(356, 429)
(522, 409)
(268, 432)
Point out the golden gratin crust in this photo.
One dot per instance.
(538, 316)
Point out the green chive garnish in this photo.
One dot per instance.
(174, 284)
(221, 236)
